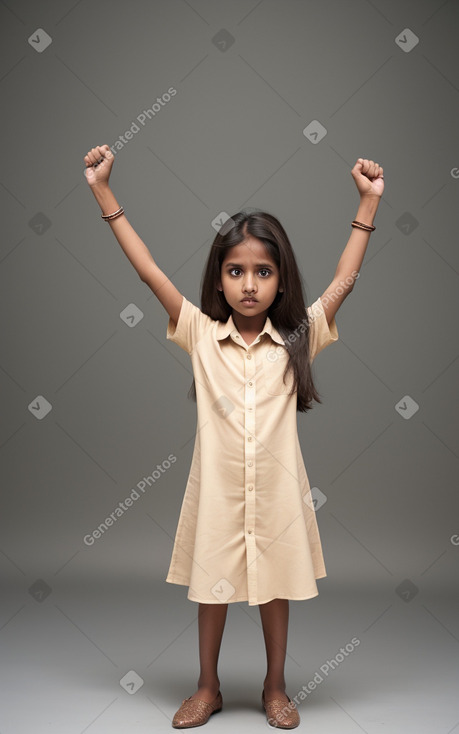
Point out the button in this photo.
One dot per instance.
(249, 356)
(250, 463)
(250, 531)
(250, 408)
(250, 383)
(249, 438)
(250, 487)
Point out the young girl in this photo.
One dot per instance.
(247, 529)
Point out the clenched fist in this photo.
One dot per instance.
(368, 177)
(99, 162)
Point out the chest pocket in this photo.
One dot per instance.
(274, 363)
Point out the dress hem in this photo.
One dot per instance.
(245, 598)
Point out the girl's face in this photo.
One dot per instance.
(248, 270)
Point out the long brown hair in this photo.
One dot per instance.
(288, 310)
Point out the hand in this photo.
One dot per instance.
(99, 162)
(368, 177)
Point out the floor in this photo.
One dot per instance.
(120, 657)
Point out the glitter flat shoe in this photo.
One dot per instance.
(281, 714)
(195, 712)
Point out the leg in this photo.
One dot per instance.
(274, 616)
(212, 618)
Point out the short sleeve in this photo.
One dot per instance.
(191, 326)
(321, 334)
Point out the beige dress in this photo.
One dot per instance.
(247, 529)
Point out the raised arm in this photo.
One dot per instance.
(368, 177)
(99, 162)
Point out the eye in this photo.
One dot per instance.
(262, 270)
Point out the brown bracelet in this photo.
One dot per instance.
(361, 225)
(118, 213)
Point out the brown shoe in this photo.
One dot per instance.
(195, 712)
(281, 714)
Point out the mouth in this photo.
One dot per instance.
(249, 300)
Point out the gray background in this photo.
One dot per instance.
(76, 619)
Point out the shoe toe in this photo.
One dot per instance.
(195, 712)
(280, 714)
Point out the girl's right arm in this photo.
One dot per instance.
(99, 162)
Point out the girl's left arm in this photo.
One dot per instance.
(369, 179)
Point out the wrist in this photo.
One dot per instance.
(105, 198)
(368, 207)
(101, 186)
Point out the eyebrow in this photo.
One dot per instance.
(258, 265)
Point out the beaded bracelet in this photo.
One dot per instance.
(118, 213)
(361, 225)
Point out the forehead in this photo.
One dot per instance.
(251, 251)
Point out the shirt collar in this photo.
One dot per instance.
(224, 329)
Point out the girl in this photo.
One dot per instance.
(247, 529)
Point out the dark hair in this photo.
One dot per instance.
(288, 310)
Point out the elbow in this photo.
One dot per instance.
(348, 281)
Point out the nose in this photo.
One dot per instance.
(248, 286)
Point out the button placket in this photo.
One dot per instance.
(249, 474)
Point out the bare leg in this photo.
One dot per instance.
(274, 616)
(212, 618)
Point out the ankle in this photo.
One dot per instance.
(274, 685)
(210, 685)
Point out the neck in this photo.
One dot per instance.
(249, 323)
